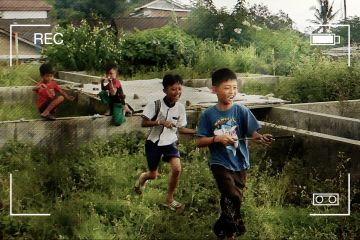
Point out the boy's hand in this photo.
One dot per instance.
(43, 85)
(224, 139)
(264, 139)
(167, 124)
(127, 109)
(70, 98)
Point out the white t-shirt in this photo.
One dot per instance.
(175, 114)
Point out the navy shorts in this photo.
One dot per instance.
(154, 152)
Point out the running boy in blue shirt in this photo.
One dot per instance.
(222, 128)
(165, 117)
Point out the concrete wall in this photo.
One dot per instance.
(55, 134)
(17, 94)
(350, 109)
(316, 122)
(315, 150)
(78, 77)
(242, 80)
(24, 97)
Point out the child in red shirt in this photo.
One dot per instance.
(49, 94)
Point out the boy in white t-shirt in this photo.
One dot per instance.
(165, 117)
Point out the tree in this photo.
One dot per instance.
(354, 23)
(70, 10)
(324, 15)
(206, 22)
(260, 15)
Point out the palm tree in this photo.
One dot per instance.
(324, 15)
(345, 10)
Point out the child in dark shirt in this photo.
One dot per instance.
(113, 89)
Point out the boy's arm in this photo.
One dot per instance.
(184, 130)
(67, 96)
(181, 124)
(206, 141)
(264, 139)
(112, 88)
(150, 123)
(38, 87)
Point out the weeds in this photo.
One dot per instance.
(88, 192)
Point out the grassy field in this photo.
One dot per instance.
(89, 192)
(22, 75)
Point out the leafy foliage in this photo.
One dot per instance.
(321, 79)
(68, 11)
(160, 48)
(260, 15)
(324, 14)
(85, 48)
(354, 23)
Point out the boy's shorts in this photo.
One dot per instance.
(154, 152)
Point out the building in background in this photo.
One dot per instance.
(161, 8)
(24, 9)
(34, 12)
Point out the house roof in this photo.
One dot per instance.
(27, 32)
(20, 39)
(166, 5)
(141, 23)
(24, 5)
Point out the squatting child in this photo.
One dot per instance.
(49, 94)
(112, 89)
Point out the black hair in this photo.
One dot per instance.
(110, 66)
(222, 75)
(171, 79)
(46, 68)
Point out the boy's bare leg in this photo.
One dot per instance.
(174, 178)
(147, 176)
(52, 105)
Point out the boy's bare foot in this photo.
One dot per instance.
(48, 116)
(139, 188)
(107, 113)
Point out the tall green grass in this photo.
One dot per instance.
(88, 191)
(19, 75)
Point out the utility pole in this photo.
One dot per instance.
(345, 10)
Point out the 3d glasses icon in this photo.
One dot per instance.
(325, 199)
(324, 39)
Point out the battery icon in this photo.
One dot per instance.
(324, 39)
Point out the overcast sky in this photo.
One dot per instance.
(298, 10)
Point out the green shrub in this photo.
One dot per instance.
(84, 48)
(152, 49)
(318, 79)
(288, 48)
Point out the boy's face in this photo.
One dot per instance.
(47, 77)
(226, 91)
(112, 74)
(173, 92)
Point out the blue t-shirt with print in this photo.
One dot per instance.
(239, 122)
